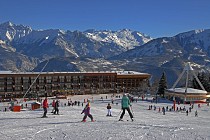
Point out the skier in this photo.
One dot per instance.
(86, 111)
(125, 106)
(149, 107)
(154, 107)
(53, 105)
(45, 106)
(187, 112)
(196, 113)
(167, 108)
(163, 110)
(56, 107)
(112, 101)
(109, 110)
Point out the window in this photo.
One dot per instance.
(61, 78)
(1, 88)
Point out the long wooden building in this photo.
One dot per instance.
(15, 85)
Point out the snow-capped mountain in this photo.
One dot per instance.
(39, 45)
(126, 38)
(45, 44)
(10, 31)
(192, 43)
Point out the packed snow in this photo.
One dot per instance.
(147, 124)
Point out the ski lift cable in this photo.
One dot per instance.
(35, 79)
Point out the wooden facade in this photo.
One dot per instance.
(15, 85)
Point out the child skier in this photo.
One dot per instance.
(109, 110)
(86, 111)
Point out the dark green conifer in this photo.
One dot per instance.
(162, 85)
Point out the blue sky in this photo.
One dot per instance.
(156, 18)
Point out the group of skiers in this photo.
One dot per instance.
(55, 105)
(125, 105)
(125, 102)
(70, 103)
(166, 109)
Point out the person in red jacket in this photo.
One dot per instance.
(45, 106)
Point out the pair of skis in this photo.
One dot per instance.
(126, 120)
(131, 111)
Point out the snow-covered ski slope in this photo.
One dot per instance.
(148, 124)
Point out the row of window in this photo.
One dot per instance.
(194, 98)
(58, 79)
(61, 86)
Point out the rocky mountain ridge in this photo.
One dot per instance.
(103, 50)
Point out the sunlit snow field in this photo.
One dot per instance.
(148, 124)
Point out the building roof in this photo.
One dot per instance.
(128, 72)
(5, 72)
(118, 72)
(189, 90)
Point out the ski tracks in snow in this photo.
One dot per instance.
(40, 131)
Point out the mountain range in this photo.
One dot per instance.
(25, 49)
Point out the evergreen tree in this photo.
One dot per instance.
(162, 85)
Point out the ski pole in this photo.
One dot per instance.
(132, 110)
(119, 112)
